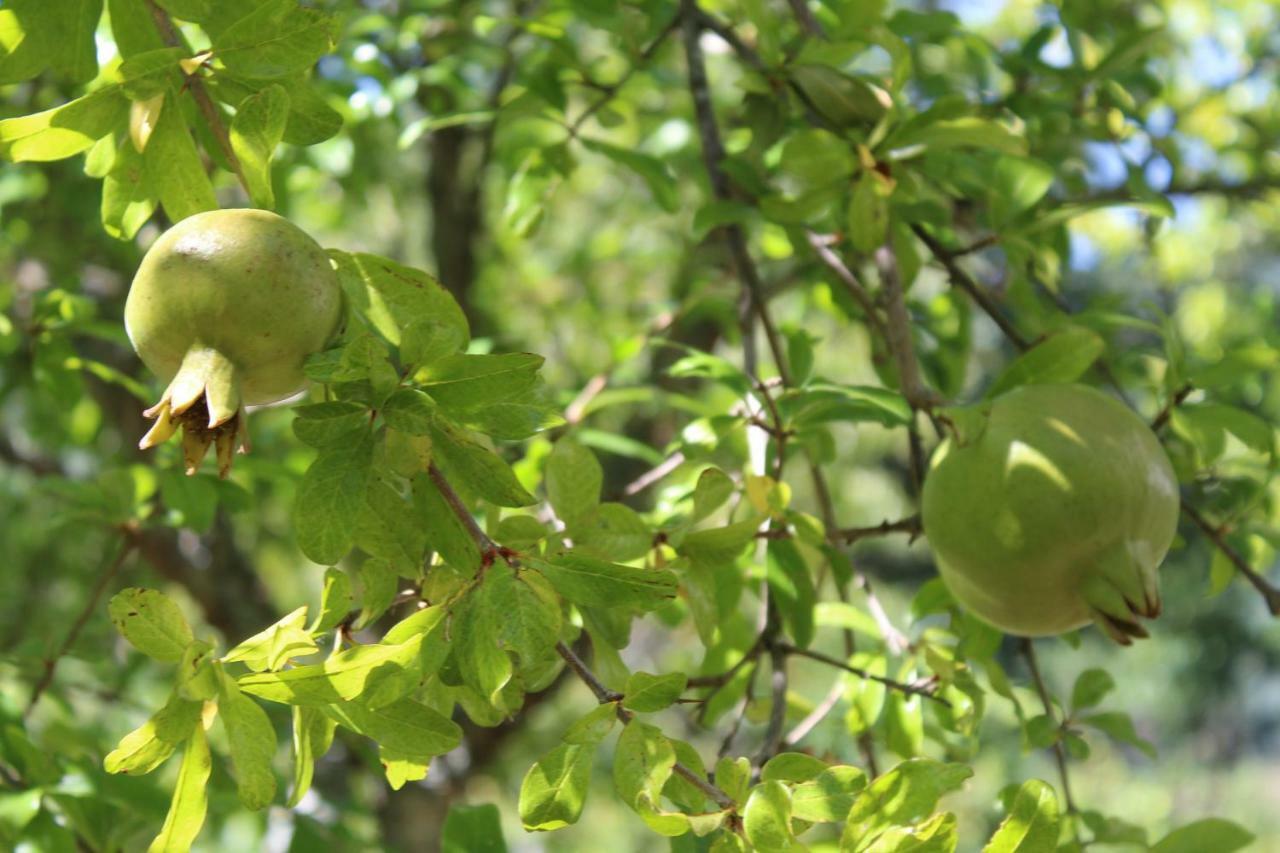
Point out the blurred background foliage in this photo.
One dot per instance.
(543, 159)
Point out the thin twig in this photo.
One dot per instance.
(1059, 750)
(1163, 416)
(654, 474)
(748, 696)
(816, 716)
(1270, 594)
(965, 282)
(712, 155)
(845, 276)
(909, 525)
(111, 567)
(902, 686)
(171, 37)
(773, 733)
(804, 16)
(609, 91)
(464, 515)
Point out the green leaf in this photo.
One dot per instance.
(529, 611)
(1090, 688)
(1062, 357)
(936, 835)
(1153, 205)
(175, 169)
(312, 736)
(127, 197)
(554, 789)
(150, 745)
(469, 381)
(63, 131)
(651, 170)
(408, 734)
(868, 216)
(964, 132)
(821, 403)
(614, 531)
(276, 39)
(330, 422)
(274, 646)
(792, 588)
(477, 641)
(648, 693)
(829, 797)
(330, 497)
(469, 464)
(574, 479)
(387, 528)
(1216, 834)
(473, 829)
(190, 800)
(792, 767)
(642, 763)
(378, 582)
(816, 157)
(1119, 726)
(252, 741)
(256, 130)
(766, 819)
(336, 600)
(1032, 823)
(35, 36)
(151, 623)
(839, 98)
(717, 546)
(903, 795)
(596, 583)
(594, 726)
(1017, 184)
(400, 302)
(410, 411)
(446, 533)
(714, 487)
(343, 676)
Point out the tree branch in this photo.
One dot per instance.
(1059, 751)
(171, 37)
(111, 567)
(910, 525)
(1165, 413)
(610, 91)
(961, 279)
(1270, 594)
(902, 686)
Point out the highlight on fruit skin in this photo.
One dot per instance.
(225, 307)
(1055, 508)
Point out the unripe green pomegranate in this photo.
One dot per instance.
(1053, 508)
(226, 307)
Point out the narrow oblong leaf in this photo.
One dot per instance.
(1032, 823)
(256, 130)
(150, 745)
(597, 583)
(1062, 357)
(252, 741)
(190, 799)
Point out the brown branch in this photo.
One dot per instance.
(654, 474)
(486, 545)
(773, 733)
(804, 16)
(712, 155)
(816, 716)
(1249, 189)
(1059, 751)
(902, 686)
(845, 276)
(610, 90)
(910, 525)
(961, 279)
(110, 568)
(1270, 594)
(171, 37)
(1163, 416)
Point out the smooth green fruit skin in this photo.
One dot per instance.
(1064, 483)
(247, 283)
